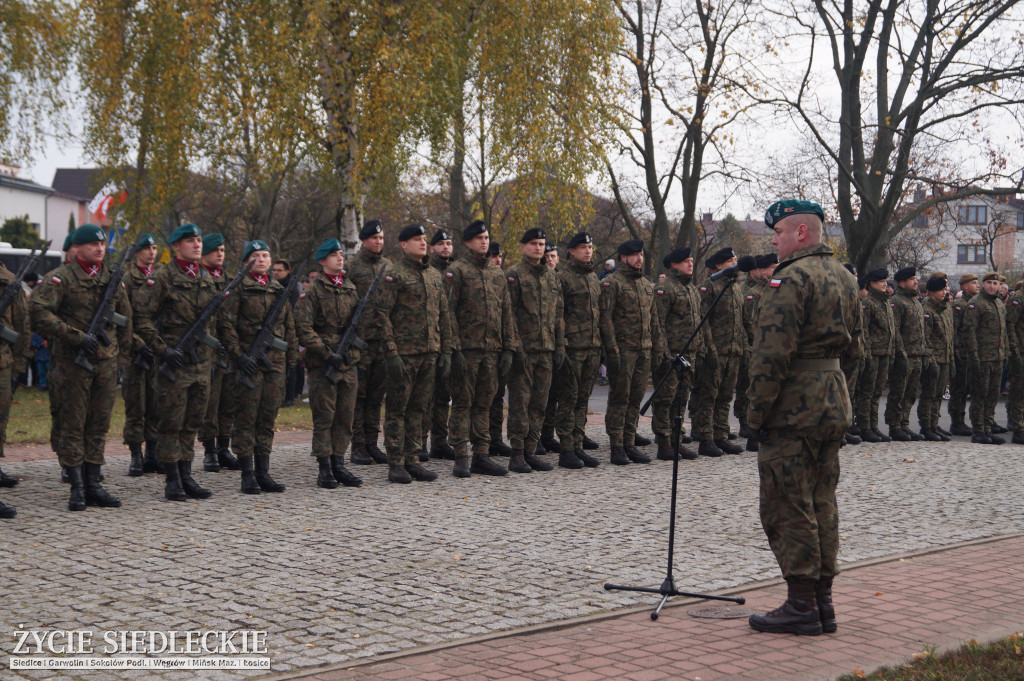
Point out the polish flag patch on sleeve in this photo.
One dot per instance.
(703, 289)
(606, 283)
(55, 280)
(659, 292)
(750, 297)
(512, 280)
(388, 277)
(775, 283)
(449, 275)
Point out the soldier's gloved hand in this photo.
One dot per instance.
(246, 364)
(336, 361)
(444, 366)
(395, 370)
(221, 350)
(173, 357)
(505, 363)
(458, 366)
(612, 362)
(89, 344)
(145, 353)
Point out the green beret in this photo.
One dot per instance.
(326, 248)
(212, 242)
(253, 246)
(87, 234)
(67, 240)
(787, 207)
(146, 240)
(186, 230)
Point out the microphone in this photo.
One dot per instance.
(744, 264)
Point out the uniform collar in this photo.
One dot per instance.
(147, 271)
(337, 280)
(680, 277)
(189, 268)
(478, 260)
(261, 279)
(369, 256)
(417, 263)
(216, 272)
(581, 266)
(91, 271)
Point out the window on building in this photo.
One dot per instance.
(1020, 220)
(973, 215)
(970, 254)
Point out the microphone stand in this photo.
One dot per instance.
(677, 365)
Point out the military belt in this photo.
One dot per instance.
(823, 364)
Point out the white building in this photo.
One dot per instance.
(20, 197)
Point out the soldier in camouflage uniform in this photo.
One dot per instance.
(879, 346)
(411, 312)
(851, 360)
(435, 419)
(960, 387)
(56, 402)
(485, 340)
(62, 308)
(137, 381)
(751, 299)
(938, 329)
(171, 300)
(14, 355)
(799, 411)
(215, 434)
(362, 270)
(257, 407)
(537, 306)
(548, 443)
(1015, 363)
(984, 329)
(632, 339)
(716, 382)
(905, 373)
(496, 415)
(321, 315)
(678, 305)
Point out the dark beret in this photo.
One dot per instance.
(720, 256)
(678, 255)
(881, 274)
(326, 248)
(531, 234)
(146, 240)
(767, 260)
(785, 208)
(411, 231)
(862, 281)
(905, 273)
(253, 246)
(87, 234)
(440, 235)
(369, 229)
(212, 242)
(493, 249)
(936, 283)
(631, 247)
(476, 227)
(851, 268)
(548, 247)
(186, 230)
(988, 275)
(581, 238)
(68, 239)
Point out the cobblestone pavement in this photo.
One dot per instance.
(343, 574)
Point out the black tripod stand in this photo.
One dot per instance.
(678, 365)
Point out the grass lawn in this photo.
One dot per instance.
(30, 418)
(1001, 661)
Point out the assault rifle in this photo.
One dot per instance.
(14, 287)
(197, 332)
(266, 339)
(104, 313)
(348, 336)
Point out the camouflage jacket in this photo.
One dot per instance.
(629, 319)
(581, 296)
(412, 309)
(537, 304)
(985, 329)
(135, 279)
(938, 330)
(440, 264)
(361, 270)
(1015, 323)
(479, 306)
(63, 304)
(15, 318)
(909, 318)
(751, 299)
(959, 308)
(244, 312)
(726, 320)
(810, 310)
(321, 315)
(168, 304)
(879, 327)
(679, 313)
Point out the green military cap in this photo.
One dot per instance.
(253, 246)
(87, 234)
(212, 242)
(146, 240)
(326, 248)
(786, 207)
(67, 240)
(186, 230)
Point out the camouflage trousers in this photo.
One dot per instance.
(180, 408)
(333, 406)
(985, 395)
(1015, 398)
(715, 392)
(527, 400)
(904, 385)
(851, 371)
(661, 421)
(959, 391)
(471, 402)
(220, 406)
(256, 411)
(435, 416)
(403, 418)
(874, 373)
(798, 504)
(551, 410)
(933, 384)
(496, 412)
(739, 406)
(6, 374)
(626, 387)
(87, 399)
(372, 386)
(575, 383)
(56, 407)
(139, 411)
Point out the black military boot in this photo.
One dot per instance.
(249, 484)
(588, 460)
(7, 511)
(517, 462)
(461, 467)
(76, 502)
(211, 464)
(136, 466)
(499, 448)
(930, 435)
(852, 438)
(539, 450)
(868, 435)
(881, 436)
(551, 444)
(686, 439)
(619, 456)
(150, 464)
(397, 473)
(728, 447)
(342, 474)
(8, 480)
(1018, 437)
(359, 455)
(995, 439)
(64, 476)
(424, 455)
(999, 430)
(419, 473)
(798, 615)
(981, 439)
(375, 453)
(826, 611)
(172, 485)
(95, 495)
(960, 428)
(483, 465)
(641, 441)
(442, 452)
(325, 476)
(568, 459)
(665, 452)
(753, 445)
(225, 458)
(635, 456)
(744, 430)
(943, 432)
(539, 464)
(897, 434)
(188, 484)
(854, 430)
(589, 444)
(263, 478)
(913, 436)
(709, 448)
